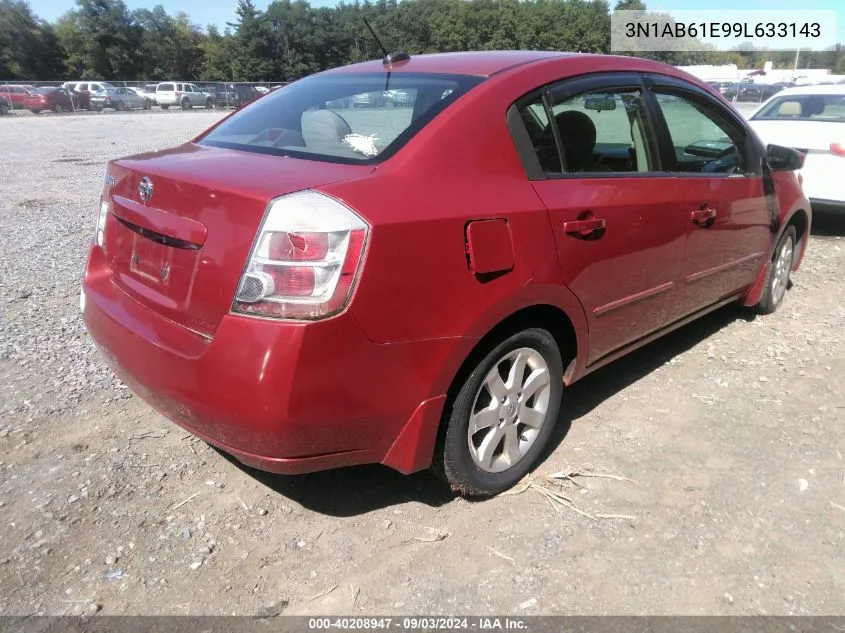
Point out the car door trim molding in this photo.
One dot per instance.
(701, 274)
(639, 296)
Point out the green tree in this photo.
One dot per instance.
(253, 46)
(101, 40)
(28, 46)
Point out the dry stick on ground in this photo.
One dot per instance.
(180, 504)
(322, 593)
(500, 555)
(436, 535)
(837, 506)
(572, 474)
(557, 499)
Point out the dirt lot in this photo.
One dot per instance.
(730, 430)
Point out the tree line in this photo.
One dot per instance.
(103, 39)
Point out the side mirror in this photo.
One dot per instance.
(784, 158)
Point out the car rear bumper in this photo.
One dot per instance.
(281, 396)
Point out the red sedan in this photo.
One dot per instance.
(308, 285)
(56, 99)
(14, 95)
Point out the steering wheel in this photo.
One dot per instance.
(726, 162)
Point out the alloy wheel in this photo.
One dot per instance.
(783, 266)
(510, 408)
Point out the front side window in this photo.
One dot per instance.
(351, 118)
(817, 107)
(701, 141)
(600, 132)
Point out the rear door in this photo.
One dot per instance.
(718, 168)
(197, 98)
(618, 233)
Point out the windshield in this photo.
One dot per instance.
(815, 107)
(348, 118)
(44, 91)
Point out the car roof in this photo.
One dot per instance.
(816, 89)
(479, 63)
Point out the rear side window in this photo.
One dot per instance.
(165, 88)
(829, 108)
(599, 132)
(349, 118)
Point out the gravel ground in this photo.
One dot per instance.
(728, 430)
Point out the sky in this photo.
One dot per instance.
(219, 12)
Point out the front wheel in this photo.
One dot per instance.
(209, 104)
(186, 105)
(58, 109)
(502, 417)
(777, 281)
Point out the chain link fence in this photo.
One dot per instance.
(96, 95)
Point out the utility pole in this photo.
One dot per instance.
(795, 66)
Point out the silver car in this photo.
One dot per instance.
(119, 99)
(185, 96)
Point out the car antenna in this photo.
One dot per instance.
(389, 59)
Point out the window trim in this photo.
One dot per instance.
(754, 159)
(563, 89)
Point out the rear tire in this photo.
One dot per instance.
(119, 106)
(777, 280)
(512, 417)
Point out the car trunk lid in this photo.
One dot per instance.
(181, 251)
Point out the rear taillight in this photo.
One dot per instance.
(101, 223)
(837, 148)
(305, 259)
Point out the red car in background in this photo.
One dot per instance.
(14, 94)
(306, 286)
(56, 99)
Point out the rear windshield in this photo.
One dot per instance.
(165, 88)
(347, 118)
(829, 108)
(44, 91)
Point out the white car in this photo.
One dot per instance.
(183, 95)
(810, 119)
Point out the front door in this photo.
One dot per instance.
(726, 214)
(617, 230)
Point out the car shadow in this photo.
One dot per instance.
(592, 390)
(357, 490)
(828, 222)
(345, 492)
